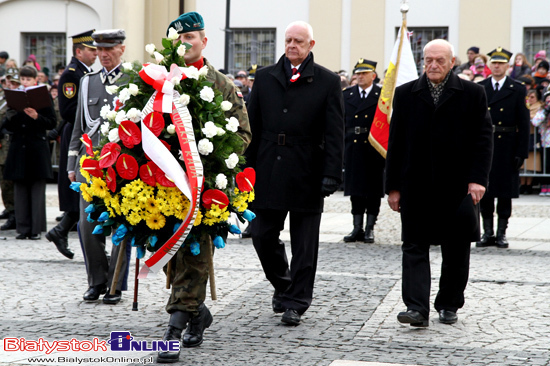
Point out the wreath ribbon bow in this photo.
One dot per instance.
(161, 81)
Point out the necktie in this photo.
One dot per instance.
(363, 94)
(294, 71)
(496, 86)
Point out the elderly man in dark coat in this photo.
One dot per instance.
(364, 166)
(437, 170)
(296, 116)
(506, 98)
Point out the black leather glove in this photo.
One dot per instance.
(53, 134)
(518, 162)
(329, 186)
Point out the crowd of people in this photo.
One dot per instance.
(310, 127)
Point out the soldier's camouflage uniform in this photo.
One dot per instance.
(5, 185)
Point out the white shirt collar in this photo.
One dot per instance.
(367, 91)
(86, 66)
(500, 82)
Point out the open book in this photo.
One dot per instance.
(36, 97)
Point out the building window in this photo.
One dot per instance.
(420, 36)
(534, 40)
(49, 48)
(250, 47)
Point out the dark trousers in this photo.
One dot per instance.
(30, 206)
(504, 207)
(362, 204)
(416, 280)
(295, 282)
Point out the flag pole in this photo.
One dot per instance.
(404, 9)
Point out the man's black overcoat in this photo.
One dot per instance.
(507, 108)
(434, 152)
(363, 165)
(297, 135)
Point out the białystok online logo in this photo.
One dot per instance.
(119, 341)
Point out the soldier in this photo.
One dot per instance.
(506, 101)
(91, 98)
(364, 166)
(7, 187)
(84, 55)
(190, 273)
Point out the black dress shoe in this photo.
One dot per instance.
(447, 317)
(291, 317)
(61, 243)
(276, 303)
(21, 236)
(4, 215)
(93, 292)
(412, 317)
(34, 236)
(197, 325)
(112, 299)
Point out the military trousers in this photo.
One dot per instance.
(7, 187)
(361, 205)
(189, 276)
(416, 276)
(504, 207)
(294, 282)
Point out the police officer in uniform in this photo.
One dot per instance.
(84, 55)
(363, 165)
(91, 98)
(510, 116)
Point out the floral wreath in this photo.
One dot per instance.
(145, 178)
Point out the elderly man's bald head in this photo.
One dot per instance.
(441, 43)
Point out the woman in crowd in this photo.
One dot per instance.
(541, 120)
(532, 163)
(520, 67)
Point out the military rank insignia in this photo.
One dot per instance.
(69, 90)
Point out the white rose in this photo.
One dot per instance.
(105, 128)
(111, 115)
(210, 130)
(232, 161)
(133, 88)
(111, 89)
(207, 94)
(134, 115)
(120, 116)
(205, 147)
(173, 34)
(158, 57)
(176, 80)
(221, 131)
(203, 71)
(191, 72)
(232, 124)
(113, 135)
(104, 111)
(225, 105)
(150, 48)
(124, 95)
(184, 99)
(171, 129)
(127, 66)
(221, 181)
(181, 50)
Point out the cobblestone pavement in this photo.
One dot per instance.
(505, 320)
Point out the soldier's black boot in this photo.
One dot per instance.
(10, 224)
(357, 232)
(197, 325)
(178, 322)
(4, 215)
(501, 240)
(59, 234)
(369, 229)
(488, 237)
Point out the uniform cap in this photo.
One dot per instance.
(11, 72)
(252, 71)
(500, 55)
(108, 37)
(364, 66)
(187, 22)
(84, 38)
(241, 74)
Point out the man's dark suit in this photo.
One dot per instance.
(433, 154)
(297, 130)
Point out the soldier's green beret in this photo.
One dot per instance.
(187, 22)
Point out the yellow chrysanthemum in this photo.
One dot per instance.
(98, 188)
(151, 205)
(215, 211)
(156, 221)
(209, 221)
(198, 219)
(224, 216)
(251, 196)
(134, 218)
(85, 194)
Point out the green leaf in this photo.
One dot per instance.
(166, 43)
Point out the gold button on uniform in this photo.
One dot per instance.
(354, 141)
(366, 116)
(356, 116)
(489, 108)
(501, 109)
(500, 123)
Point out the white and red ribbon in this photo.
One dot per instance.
(161, 80)
(190, 183)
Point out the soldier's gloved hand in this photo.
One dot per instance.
(518, 161)
(53, 134)
(329, 185)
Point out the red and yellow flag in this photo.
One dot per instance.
(402, 69)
